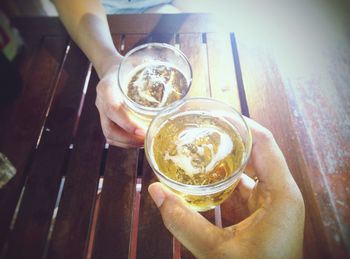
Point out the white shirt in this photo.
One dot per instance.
(130, 6)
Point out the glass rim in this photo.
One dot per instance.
(200, 188)
(151, 45)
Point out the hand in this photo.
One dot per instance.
(117, 126)
(275, 226)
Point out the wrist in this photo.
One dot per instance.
(107, 64)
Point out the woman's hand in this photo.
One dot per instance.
(116, 124)
(275, 226)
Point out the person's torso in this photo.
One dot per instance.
(130, 6)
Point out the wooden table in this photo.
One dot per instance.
(53, 137)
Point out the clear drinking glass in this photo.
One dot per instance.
(151, 77)
(199, 148)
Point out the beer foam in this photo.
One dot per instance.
(143, 89)
(183, 158)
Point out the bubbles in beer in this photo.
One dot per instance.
(156, 85)
(197, 149)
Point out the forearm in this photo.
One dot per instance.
(86, 23)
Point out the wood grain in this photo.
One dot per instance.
(318, 90)
(222, 74)
(26, 122)
(113, 228)
(224, 87)
(71, 230)
(38, 202)
(111, 237)
(195, 50)
(264, 86)
(154, 240)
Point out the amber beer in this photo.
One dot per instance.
(156, 85)
(197, 153)
(152, 77)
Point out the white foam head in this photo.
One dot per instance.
(140, 83)
(185, 161)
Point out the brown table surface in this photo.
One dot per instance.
(53, 137)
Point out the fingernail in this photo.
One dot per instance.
(140, 132)
(157, 194)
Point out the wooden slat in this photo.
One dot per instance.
(318, 90)
(22, 64)
(41, 189)
(117, 40)
(112, 234)
(132, 41)
(222, 74)
(114, 221)
(71, 231)
(265, 91)
(154, 241)
(224, 87)
(27, 119)
(95, 233)
(195, 50)
(162, 37)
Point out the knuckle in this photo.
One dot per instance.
(113, 108)
(107, 133)
(128, 127)
(266, 135)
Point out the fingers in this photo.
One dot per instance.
(275, 182)
(245, 186)
(267, 159)
(116, 123)
(113, 108)
(249, 169)
(189, 227)
(117, 113)
(117, 136)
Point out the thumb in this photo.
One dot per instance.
(189, 227)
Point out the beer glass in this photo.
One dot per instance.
(199, 148)
(151, 77)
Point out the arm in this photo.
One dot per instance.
(87, 25)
